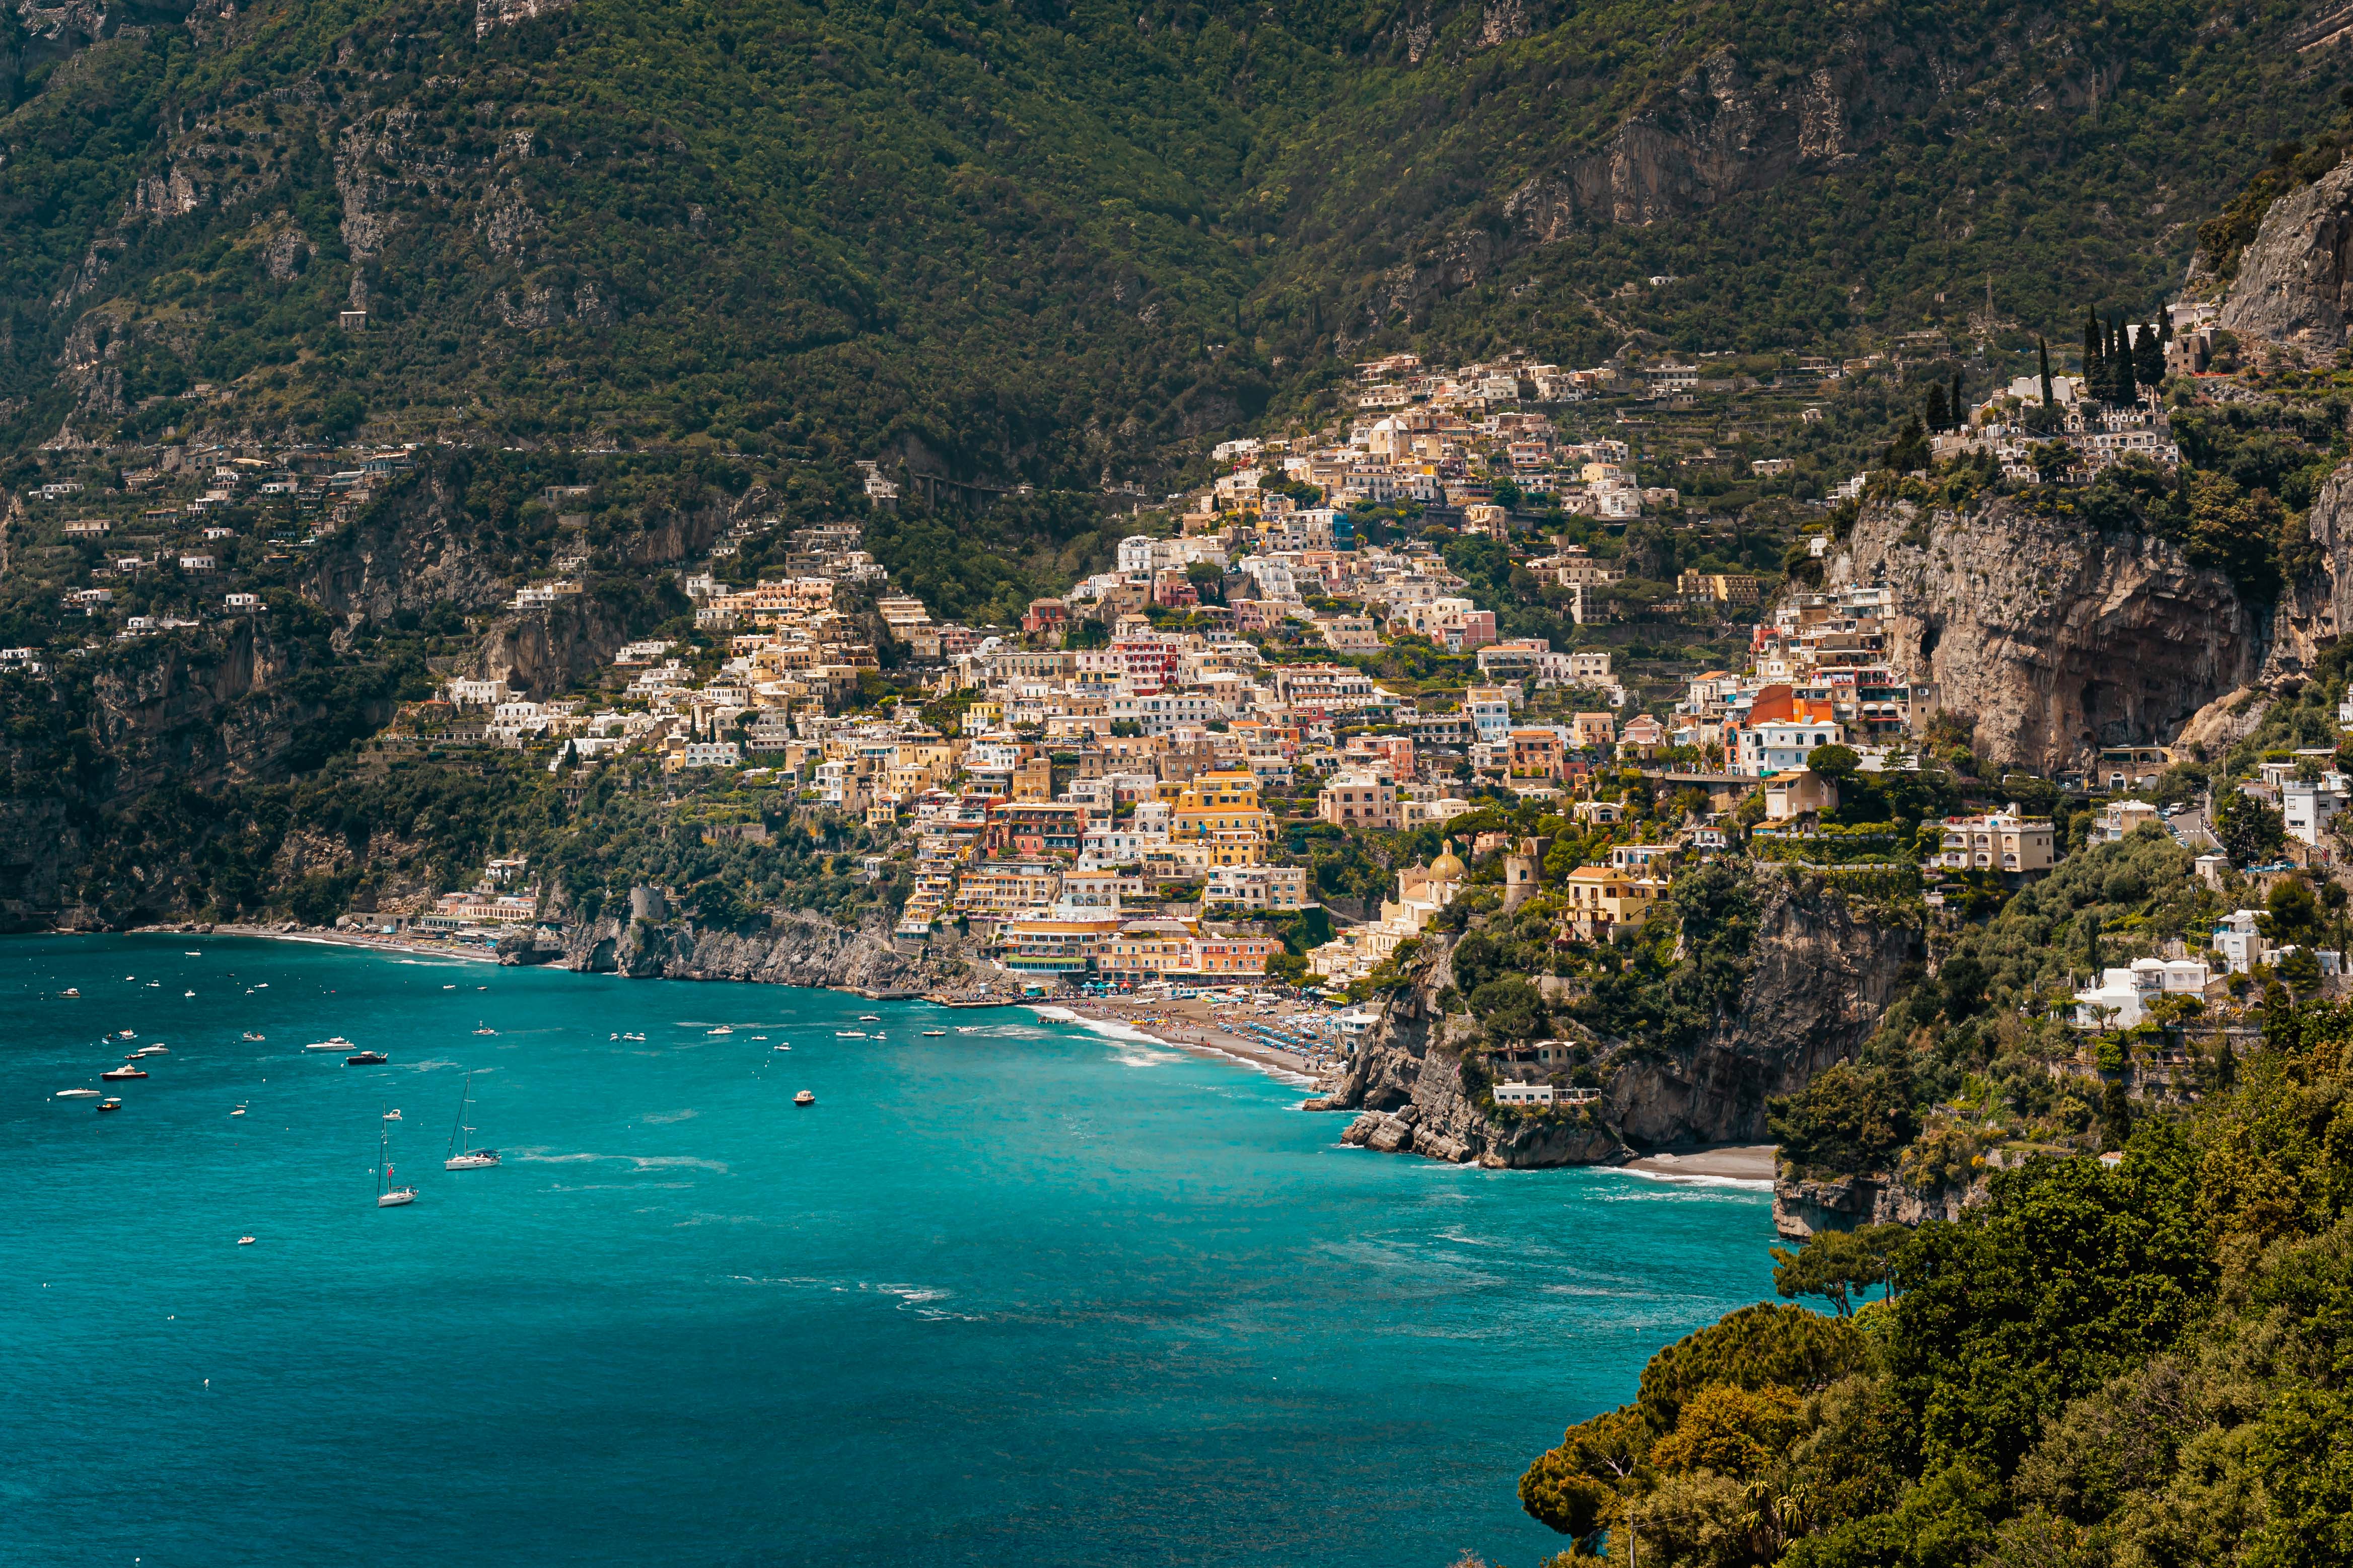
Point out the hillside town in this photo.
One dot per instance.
(1130, 788)
(1143, 783)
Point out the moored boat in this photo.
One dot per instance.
(109, 1105)
(388, 1196)
(463, 1156)
(805, 1098)
(125, 1071)
(367, 1059)
(331, 1043)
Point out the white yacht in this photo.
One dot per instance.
(388, 1196)
(77, 1094)
(331, 1043)
(463, 1156)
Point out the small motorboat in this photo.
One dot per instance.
(261, 986)
(238, 1111)
(393, 1115)
(638, 1037)
(805, 1098)
(486, 1031)
(365, 1059)
(935, 1034)
(127, 1034)
(254, 1038)
(723, 1029)
(70, 991)
(109, 1105)
(149, 1051)
(850, 1034)
(245, 1241)
(188, 994)
(77, 1094)
(154, 985)
(449, 988)
(331, 1043)
(870, 1017)
(191, 953)
(126, 1071)
(783, 1047)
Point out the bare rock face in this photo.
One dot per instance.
(798, 949)
(2294, 285)
(2315, 607)
(2056, 639)
(492, 14)
(1821, 981)
(1804, 1207)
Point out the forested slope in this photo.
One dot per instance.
(1059, 242)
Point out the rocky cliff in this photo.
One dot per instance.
(1408, 1081)
(1819, 978)
(1804, 1206)
(2056, 639)
(2295, 282)
(794, 949)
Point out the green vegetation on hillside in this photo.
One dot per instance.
(2142, 1365)
(1061, 243)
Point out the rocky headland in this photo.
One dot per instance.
(1821, 974)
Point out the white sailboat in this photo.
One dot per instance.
(388, 1196)
(463, 1156)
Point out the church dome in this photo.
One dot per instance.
(1448, 866)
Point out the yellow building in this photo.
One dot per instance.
(1223, 802)
(1602, 896)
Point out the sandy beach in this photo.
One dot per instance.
(1193, 1024)
(1730, 1162)
(324, 937)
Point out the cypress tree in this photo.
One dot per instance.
(2127, 392)
(1938, 419)
(1960, 409)
(2043, 353)
(2094, 375)
(2148, 356)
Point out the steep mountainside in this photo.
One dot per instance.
(1059, 241)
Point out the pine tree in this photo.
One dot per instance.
(1938, 419)
(2043, 353)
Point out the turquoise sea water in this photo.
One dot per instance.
(1025, 1294)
